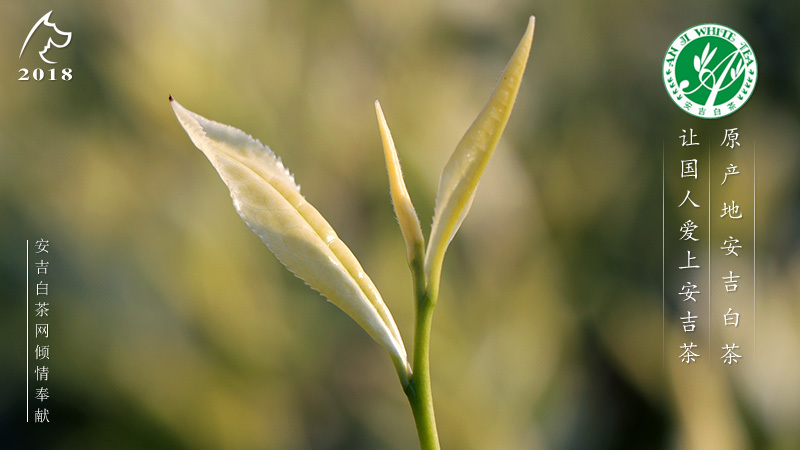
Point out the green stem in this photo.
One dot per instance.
(418, 390)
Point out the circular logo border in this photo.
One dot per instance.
(695, 109)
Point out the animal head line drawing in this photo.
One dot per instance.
(46, 21)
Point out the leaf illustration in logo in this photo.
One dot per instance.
(463, 170)
(738, 71)
(705, 53)
(268, 200)
(710, 56)
(45, 20)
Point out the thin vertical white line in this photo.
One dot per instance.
(663, 296)
(754, 249)
(709, 251)
(27, 332)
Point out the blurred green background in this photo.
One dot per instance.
(172, 326)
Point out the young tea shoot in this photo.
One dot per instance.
(269, 201)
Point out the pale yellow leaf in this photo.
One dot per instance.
(463, 170)
(403, 208)
(269, 201)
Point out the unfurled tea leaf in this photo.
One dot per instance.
(463, 170)
(268, 200)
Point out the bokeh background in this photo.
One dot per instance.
(172, 326)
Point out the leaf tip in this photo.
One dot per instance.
(531, 26)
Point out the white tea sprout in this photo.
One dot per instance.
(463, 170)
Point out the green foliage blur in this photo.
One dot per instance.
(172, 326)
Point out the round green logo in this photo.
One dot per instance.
(710, 71)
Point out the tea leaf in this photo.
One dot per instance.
(463, 170)
(268, 200)
(403, 208)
